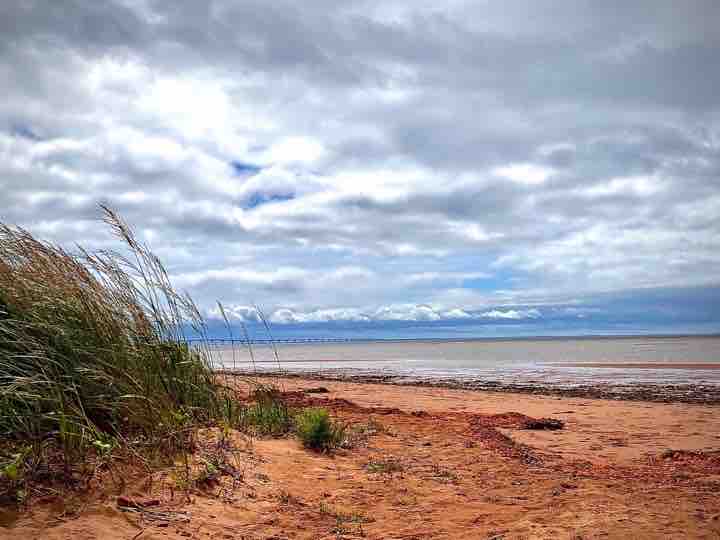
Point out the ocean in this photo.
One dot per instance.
(533, 361)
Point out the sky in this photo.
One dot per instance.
(473, 167)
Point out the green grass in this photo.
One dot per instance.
(317, 431)
(92, 352)
(268, 414)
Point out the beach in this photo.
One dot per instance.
(362, 270)
(437, 463)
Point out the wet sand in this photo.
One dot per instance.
(437, 463)
(639, 365)
(671, 392)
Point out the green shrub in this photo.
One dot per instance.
(317, 431)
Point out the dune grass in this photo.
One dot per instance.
(92, 350)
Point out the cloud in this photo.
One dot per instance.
(511, 314)
(396, 312)
(373, 159)
(286, 315)
(524, 173)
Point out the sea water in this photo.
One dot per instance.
(518, 361)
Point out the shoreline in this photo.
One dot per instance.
(641, 365)
(701, 394)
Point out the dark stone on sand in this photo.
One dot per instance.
(543, 423)
(128, 502)
(317, 390)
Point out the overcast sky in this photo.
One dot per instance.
(382, 160)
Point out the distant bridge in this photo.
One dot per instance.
(427, 339)
(280, 341)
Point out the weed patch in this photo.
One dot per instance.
(316, 430)
(384, 466)
(268, 415)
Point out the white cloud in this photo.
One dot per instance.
(453, 277)
(456, 313)
(289, 150)
(396, 312)
(406, 313)
(634, 185)
(511, 314)
(524, 173)
(234, 314)
(285, 315)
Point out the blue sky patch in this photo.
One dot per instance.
(25, 132)
(244, 169)
(258, 199)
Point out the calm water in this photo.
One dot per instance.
(518, 361)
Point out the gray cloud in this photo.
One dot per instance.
(559, 153)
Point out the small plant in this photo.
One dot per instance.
(325, 509)
(12, 473)
(181, 479)
(359, 434)
(384, 466)
(104, 444)
(12, 469)
(342, 519)
(442, 474)
(209, 474)
(269, 415)
(317, 431)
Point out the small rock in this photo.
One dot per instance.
(543, 423)
(127, 502)
(316, 390)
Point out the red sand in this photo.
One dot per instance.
(443, 464)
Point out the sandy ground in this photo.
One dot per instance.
(436, 463)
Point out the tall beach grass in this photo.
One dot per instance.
(92, 346)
